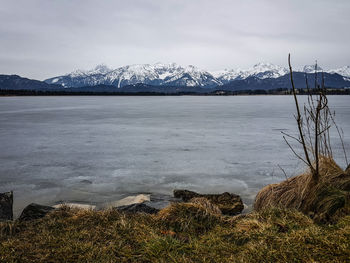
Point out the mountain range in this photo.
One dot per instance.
(173, 78)
(175, 75)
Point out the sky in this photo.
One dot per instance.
(45, 38)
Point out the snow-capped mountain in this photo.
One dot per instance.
(79, 78)
(99, 69)
(160, 74)
(157, 74)
(175, 75)
(260, 70)
(311, 69)
(344, 71)
(263, 71)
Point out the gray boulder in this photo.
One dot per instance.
(6, 206)
(34, 211)
(138, 208)
(229, 204)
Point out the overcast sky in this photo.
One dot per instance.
(45, 38)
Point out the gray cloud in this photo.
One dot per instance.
(42, 38)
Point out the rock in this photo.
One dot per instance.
(6, 206)
(34, 211)
(138, 208)
(185, 195)
(129, 200)
(229, 204)
(160, 201)
(76, 205)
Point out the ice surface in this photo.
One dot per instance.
(101, 149)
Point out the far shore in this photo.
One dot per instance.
(16, 93)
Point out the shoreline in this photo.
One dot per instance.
(258, 92)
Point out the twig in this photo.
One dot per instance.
(297, 155)
(292, 137)
(341, 138)
(284, 172)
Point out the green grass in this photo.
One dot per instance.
(181, 233)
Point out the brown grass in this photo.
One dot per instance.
(198, 215)
(181, 233)
(325, 200)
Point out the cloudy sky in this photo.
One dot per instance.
(45, 38)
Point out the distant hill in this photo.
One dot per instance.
(15, 82)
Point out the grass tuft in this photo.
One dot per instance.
(325, 200)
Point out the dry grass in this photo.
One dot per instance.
(199, 215)
(327, 200)
(192, 232)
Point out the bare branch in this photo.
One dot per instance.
(297, 155)
(299, 120)
(292, 137)
(284, 172)
(340, 136)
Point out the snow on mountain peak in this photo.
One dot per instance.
(102, 69)
(226, 75)
(265, 66)
(77, 73)
(311, 69)
(344, 71)
(172, 74)
(99, 69)
(260, 70)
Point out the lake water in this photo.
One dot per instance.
(100, 149)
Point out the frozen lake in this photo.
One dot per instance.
(99, 149)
